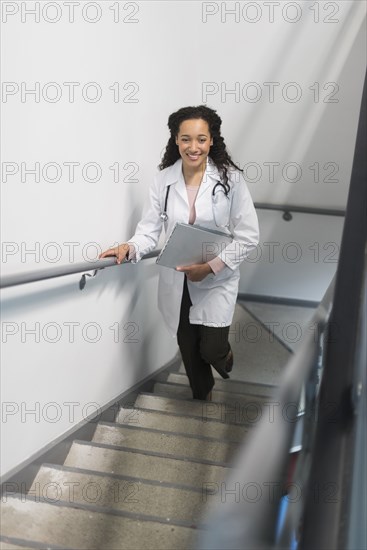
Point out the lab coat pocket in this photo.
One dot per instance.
(223, 274)
(212, 280)
(166, 276)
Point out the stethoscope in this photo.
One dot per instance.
(224, 189)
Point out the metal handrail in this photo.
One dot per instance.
(234, 522)
(288, 208)
(52, 272)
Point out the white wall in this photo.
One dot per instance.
(162, 55)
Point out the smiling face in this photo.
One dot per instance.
(194, 141)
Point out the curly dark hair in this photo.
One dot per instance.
(218, 152)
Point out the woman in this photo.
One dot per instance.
(198, 182)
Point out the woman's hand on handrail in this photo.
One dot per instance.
(120, 251)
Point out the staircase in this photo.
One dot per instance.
(143, 481)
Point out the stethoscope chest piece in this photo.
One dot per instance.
(164, 215)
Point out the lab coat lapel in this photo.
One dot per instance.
(211, 176)
(177, 181)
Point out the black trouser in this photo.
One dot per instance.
(200, 347)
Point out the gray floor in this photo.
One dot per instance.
(258, 356)
(263, 337)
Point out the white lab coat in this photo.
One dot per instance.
(214, 298)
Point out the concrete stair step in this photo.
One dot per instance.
(230, 385)
(170, 422)
(4, 545)
(89, 528)
(9, 546)
(166, 443)
(10, 543)
(147, 466)
(131, 495)
(218, 396)
(204, 410)
(181, 370)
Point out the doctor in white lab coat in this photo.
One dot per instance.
(198, 182)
